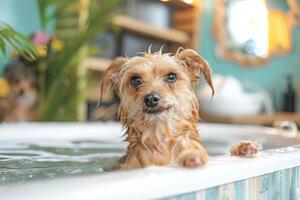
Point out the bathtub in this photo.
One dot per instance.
(272, 174)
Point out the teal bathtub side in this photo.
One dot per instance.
(279, 185)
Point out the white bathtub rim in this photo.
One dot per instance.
(135, 184)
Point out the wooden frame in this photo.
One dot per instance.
(243, 59)
(294, 13)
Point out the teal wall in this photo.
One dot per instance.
(22, 15)
(270, 76)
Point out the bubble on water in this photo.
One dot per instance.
(26, 162)
(76, 171)
(279, 150)
(69, 171)
(100, 170)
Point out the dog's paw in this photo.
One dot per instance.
(192, 159)
(245, 148)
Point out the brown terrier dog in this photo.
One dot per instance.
(158, 107)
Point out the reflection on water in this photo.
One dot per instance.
(21, 161)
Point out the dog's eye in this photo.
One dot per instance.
(136, 81)
(170, 78)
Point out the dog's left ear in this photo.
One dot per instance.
(195, 65)
(111, 77)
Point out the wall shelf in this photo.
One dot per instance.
(179, 4)
(96, 64)
(94, 94)
(144, 29)
(261, 119)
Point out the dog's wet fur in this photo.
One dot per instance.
(158, 107)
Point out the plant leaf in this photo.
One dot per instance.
(17, 41)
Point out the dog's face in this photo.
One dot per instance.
(157, 86)
(23, 85)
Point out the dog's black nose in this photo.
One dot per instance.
(151, 100)
(21, 92)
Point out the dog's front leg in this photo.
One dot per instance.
(187, 150)
(190, 153)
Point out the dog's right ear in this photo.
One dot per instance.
(111, 78)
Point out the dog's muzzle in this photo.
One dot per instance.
(152, 104)
(151, 100)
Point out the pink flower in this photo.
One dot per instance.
(40, 38)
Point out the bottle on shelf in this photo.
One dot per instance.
(289, 96)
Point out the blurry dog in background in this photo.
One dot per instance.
(158, 107)
(20, 103)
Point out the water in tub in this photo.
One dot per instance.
(21, 161)
(30, 159)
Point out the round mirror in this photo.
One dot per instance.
(250, 32)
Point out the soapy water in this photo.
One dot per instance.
(23, 161)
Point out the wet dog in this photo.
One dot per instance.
(158, 107)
